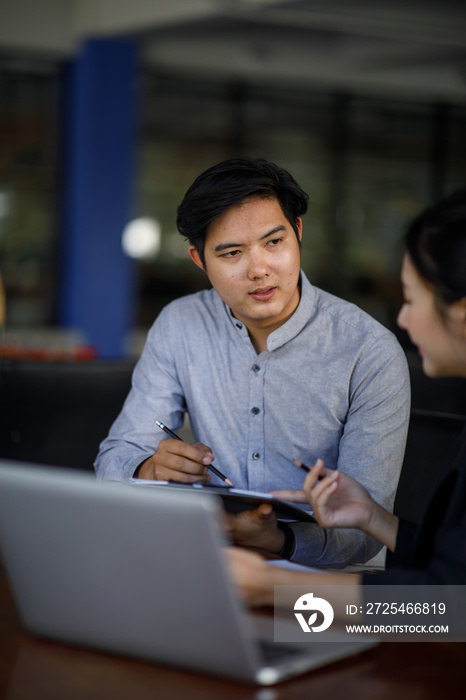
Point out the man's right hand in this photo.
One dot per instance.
(176, 460)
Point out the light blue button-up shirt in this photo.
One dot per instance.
(333, 383)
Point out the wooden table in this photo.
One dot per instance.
(36, 669)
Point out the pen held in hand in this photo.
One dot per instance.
(302, 466)
(173, 435)
(306, 468)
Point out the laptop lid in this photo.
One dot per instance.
(131, 570)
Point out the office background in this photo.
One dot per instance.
(109, 109)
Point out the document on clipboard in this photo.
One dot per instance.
(237, 500)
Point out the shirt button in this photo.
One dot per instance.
(255, 455)
(238, 325)
(255, 410)
(255, 368)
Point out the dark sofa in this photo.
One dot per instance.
(57, 413)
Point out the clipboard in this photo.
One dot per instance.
(237, 500)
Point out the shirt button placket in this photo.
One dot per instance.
(256, 428)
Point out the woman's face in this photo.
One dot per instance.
(441, 340)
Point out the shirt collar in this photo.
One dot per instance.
(298, 320)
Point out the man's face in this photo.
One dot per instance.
(252, 260)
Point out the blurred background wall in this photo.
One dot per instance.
(110, 108)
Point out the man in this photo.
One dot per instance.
(270, 369)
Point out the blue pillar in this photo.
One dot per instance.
(97, 291)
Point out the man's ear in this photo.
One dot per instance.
(299, 226)
(195, 257)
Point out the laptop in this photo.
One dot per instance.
(138, 572)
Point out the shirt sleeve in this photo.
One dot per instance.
(371, 450)
(335, 549)
(155, 393)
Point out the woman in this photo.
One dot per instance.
(433, 279)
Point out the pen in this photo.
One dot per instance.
(302, 466)
(305, 468)
(173, 435)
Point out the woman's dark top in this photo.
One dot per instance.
(433, 552)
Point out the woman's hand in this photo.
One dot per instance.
(336, 499)
(251, 576)
(339, 501)
(256, 579)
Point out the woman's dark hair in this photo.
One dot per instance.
(436, 244)
(230, 183)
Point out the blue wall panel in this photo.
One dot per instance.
(97, 290)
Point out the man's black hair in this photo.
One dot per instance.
(231, 182)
